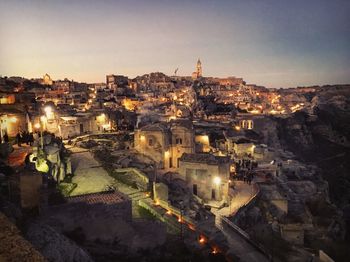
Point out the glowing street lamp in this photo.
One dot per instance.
(48, 110)
(217, 180)
(201, 240)
(13, 119)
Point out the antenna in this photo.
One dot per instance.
(176, 71)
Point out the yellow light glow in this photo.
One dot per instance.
(48, 110)
(215, 251)
(13, 119)
(217, 180)
(255, 111)
(43, 118)
(42, 166)
(142, 138)
(166, 154)
(201, 240)
(206, 139)
(237, 128)
(37, 125)
(191, 227)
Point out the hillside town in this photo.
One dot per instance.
(161, 165)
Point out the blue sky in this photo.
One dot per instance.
(275, 43)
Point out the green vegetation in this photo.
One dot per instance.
(144, 213)
(66, 188)
(123, 177)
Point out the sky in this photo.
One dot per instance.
(275, 43)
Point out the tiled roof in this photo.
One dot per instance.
(204, 158)
(155, 127)
(108, 197)
(182, 122)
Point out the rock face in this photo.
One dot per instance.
(54, 246)
(13, 247)
(321, 135)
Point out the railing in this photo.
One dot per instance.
(244, 234)
(250, 202)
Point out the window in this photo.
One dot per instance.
(150, 142)
(179, 141)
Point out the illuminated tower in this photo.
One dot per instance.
(198, 73)
(199, 68)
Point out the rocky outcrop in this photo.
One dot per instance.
(54, 246)
(13, 247)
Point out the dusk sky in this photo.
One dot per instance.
(272, 43)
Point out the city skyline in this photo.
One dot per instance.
(275, 43)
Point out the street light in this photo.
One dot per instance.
(48, 110)
(217, 180)
(13, 119)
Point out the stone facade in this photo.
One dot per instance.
(165, 142)
(207, 176)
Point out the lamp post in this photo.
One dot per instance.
(42, 120)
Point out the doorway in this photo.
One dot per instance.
(213, 194)
(194, 189)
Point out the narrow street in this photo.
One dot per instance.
(89, 175)
(239, 246)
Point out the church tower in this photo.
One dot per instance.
(198, 73)
(199, 68)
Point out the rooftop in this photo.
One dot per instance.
(204, 158)
(107, 197)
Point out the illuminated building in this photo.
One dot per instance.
(165, 142)
(206, 175)
(198, 73)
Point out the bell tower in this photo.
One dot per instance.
(199, 68)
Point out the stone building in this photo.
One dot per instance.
(13, 119)
(25, 187)
(165, 142)
(117, 83)
(47, 80)
(206, 175)
(83, 123)
(198, 73)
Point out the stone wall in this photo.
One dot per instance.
(202, 175)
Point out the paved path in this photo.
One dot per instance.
(239, 245)
(241, 248)
(243, 193)
(89, 176)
